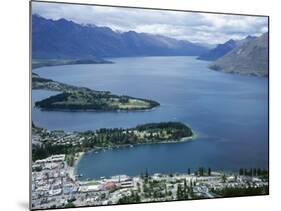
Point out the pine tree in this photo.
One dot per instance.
(179, 192)
(209, 171)
(241, 171)
(185, 189)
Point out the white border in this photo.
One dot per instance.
(15, 104)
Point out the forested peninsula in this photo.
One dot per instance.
(73, 98)
(59, 142)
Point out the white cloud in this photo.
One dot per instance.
(195, 27)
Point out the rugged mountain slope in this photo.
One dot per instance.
(66, 39)
(218, 51)
(222, 49)
(248, 58)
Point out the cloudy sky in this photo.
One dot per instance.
(194, 27)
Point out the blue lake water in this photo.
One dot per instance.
(228, 112)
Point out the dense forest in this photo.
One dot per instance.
(241, 191)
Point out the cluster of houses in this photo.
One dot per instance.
(58, 137)
(50, 180)
(54, 187)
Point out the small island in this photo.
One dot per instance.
(47, 143)
(74, 98)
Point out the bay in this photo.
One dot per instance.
(228, 113)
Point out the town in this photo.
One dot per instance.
(55, 185)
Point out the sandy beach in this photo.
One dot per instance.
(70, 170)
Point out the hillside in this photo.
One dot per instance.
(56, 39)
(250, 58)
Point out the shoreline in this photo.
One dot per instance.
(95, 110)
(239, 73)
(39, 63)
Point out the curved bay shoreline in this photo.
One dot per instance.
(72, 171)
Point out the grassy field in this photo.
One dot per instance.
(132, 103)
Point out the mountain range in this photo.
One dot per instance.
(64, 39)
(52, 39)
(250, 57)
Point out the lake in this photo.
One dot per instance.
(228, 113)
